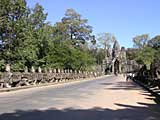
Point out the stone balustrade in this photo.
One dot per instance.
(34, 77)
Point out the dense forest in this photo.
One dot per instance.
(27, 39)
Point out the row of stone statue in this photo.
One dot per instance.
(150, 77)
(44, 70)
(18, 79)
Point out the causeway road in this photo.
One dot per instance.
(104, 98)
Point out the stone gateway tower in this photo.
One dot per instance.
(116, 59)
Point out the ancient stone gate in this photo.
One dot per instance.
(115, 60)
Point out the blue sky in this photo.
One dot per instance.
(124, 18)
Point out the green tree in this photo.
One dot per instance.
(70, 42)
(146, 56)
(105, 40)
(76, 27)
(141, 41)
(104, 43)
(131, 53)
(27, 39)
(155, 42)
(12, 30)
(100, 56)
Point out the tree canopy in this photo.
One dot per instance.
(27, 39)
(146, 49)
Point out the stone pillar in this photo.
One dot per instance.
(26, 69)
(59, 71)
(32, 69)
(91, 72)
(8, 68)
(39, 70)
(55, 71)
(62, 71)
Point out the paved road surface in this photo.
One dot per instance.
(107, 98)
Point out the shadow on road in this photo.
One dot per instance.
(143, 111)
(124, 86)
(148, 112)
(151, 97)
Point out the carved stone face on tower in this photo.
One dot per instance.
(116, 45)
(116, 49)
(123, 54)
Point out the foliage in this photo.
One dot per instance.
(140, 41)
(146, 56)
(131, 53)
(103, 45)
(105, 40)
(155, 42)
(76, 27)
(146, 50)
(100, 56)
(27, 39)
